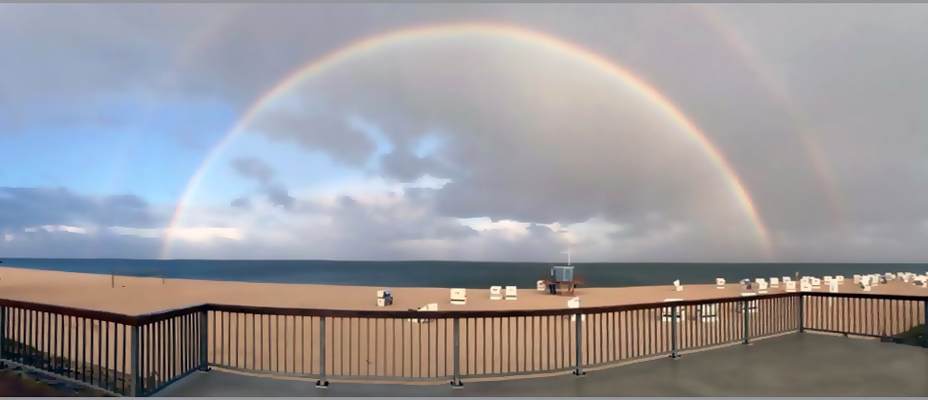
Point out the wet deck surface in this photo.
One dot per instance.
(792, 365)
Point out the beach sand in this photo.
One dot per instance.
(402, 348)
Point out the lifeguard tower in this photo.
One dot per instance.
(562, 280)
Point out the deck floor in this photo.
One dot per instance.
(796, 364)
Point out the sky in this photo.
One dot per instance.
(479, 132)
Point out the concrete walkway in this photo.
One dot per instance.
(792, 365)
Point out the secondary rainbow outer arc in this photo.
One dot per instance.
(781, 95)
(506, 31)
(201, 38)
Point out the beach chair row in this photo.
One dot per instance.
(706, 312)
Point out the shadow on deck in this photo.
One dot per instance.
(799, 364)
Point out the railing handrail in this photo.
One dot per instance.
(144, 319)
(103, 316)
(876, 296)
(163, 315)
(309, 312)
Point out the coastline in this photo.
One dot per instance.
(134, 295)
(445, 274)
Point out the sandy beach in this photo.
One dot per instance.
(146, 295)
(397, 347)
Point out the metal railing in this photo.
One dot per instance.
(140, 355)
(442, 345)
(876, 315)
(117, 354)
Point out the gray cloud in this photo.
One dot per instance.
(31, 207)
(405, 166)
(528, 134)
(70, 245)
(575, 146)
(347, 201)
(314, 130)
(253, 168)
(602, 154)
(279, 197)
(241, 202)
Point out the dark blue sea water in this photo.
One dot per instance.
(470, 275)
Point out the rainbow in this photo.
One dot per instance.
(779, 93)
(200, 39)
(522, 35)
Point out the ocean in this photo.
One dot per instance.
(448, 274)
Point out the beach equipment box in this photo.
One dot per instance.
(562, 273)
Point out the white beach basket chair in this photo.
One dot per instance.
(511, 293)
(459, 296)
(575, 303)
(667, 312)
(709, 312)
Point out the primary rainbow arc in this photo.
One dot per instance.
(509, 32)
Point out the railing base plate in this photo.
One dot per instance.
(457, 385)
(322, 384)
(205, 369)
(579, 373)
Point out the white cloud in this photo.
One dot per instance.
(201, 235)
(194, 235)
(8, 237)
(593, 230)
(509, 229)
(57, 228)
(142, 233)
(429, 182)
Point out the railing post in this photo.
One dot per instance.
(925, 326)
(204, 340)
(744, 312)
(134, 362)
(673, 332)
(800, 313)
(322, 383)
(456, 382)
(579, 327)
(2, 336)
